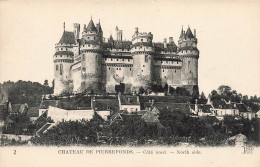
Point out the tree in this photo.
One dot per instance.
(171, 90)
(165, 87)
(141, 90)
(203, 95)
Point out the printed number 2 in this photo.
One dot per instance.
(14, 152)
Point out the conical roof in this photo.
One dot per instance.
(67, 38)
(91, 26)
(99, 29)
(181, 33)
(189, 33)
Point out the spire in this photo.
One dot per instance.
(189, 33)
(64, 26)
(181, 32)
(91, 26)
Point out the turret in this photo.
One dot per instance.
(188, 52)
(90, 54)
(119, 34)
(63, 59)
(142, 51)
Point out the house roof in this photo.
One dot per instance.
(46, 103)
(241, 107)
(171, 47)
(131, 117)
(106, 104)
(122, 44)
(99, 27)
(33, 112)
(228, 106)
(183, 107)
(150, 117)
(129, 100)
(67, 38)
(116, 114)
(206, 108)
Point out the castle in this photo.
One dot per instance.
(93, 64)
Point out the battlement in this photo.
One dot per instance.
(142, 35)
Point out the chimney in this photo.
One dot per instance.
(196, 106)
(165, 42)
(170, 39)
(136, 30)
(195, 33)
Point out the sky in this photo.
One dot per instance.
(228, 35)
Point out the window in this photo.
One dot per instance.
(190, 71)
(88, 45)
(116, 59)
(111, 59)
(162, 70)
(109, 68)
(61, 69)
(94, 37)
(142, 70)
(143, 65)
(142, 40)
(116, 68)
(57, 67)
(175, 71)
(88, 37)
(165, 77)
(130, 69)
(61, 49)
(128, 60)
(177, 62)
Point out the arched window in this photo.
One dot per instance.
(57, 67)
(61, 69)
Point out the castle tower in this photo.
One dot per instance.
(63, 59)
(188, 52)
(142, 51)
(90, 51)
(119, 34)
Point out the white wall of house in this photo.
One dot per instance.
(130, 108)
(57, 114)
(221, 112)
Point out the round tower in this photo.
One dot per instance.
(90, 51)
(63, 59)
(142, 50)
(188, 52)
